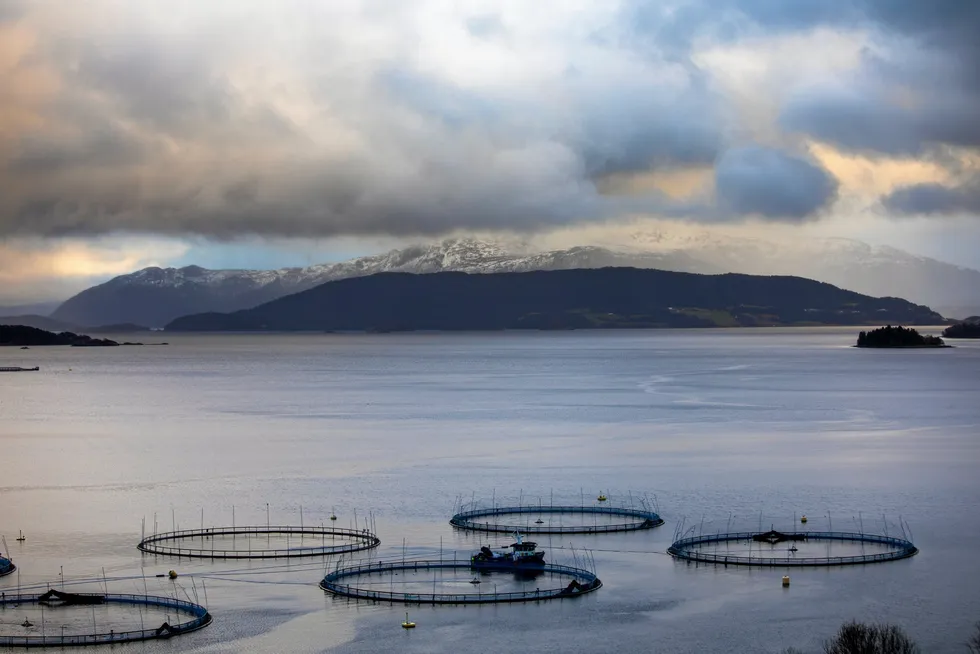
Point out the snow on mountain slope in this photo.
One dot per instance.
(154, 296)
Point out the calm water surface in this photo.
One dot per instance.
(716, 427)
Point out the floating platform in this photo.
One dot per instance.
(476, 519)
(339, 583)
(321, 542)
(690, 549)
(18, 369)
(192, 616)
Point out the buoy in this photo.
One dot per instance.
(407, 624)
(27, 623)
(474, 580)
(333, 515)
(172, 574)
(785, 581)
(21, 536)
(803, 519)
(602, 498)
(539, 521)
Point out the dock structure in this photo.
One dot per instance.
(18, 369)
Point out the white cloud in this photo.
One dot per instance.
(35, 270)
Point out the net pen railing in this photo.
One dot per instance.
(586, 580)
(200, 617)
(686, 549)
(161, 543)
(470, 519)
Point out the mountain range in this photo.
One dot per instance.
(561, 299)
(40, 308)
(156, 296)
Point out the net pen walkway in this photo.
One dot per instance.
(476, 519)
(687, 549)
(322, 542)
(338, 583)
(197, 614)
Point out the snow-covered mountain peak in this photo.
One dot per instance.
(874, 270)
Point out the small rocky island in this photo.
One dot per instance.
(21, 335)
(897, 337)
(969, 328)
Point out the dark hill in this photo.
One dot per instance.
(40, 322)
(155, 300)
(561, 299)
(969, 328)
(23, 335)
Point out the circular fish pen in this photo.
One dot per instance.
(259, 542)
(550, 519)
(58, 619)
(6, 566)
(791, 549)
(457, 582)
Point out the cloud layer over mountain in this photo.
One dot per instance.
(422, 117)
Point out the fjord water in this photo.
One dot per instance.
(715, 425)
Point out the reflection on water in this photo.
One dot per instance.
(714, 424)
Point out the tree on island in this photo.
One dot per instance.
(965, 329)
(897, 337)
(974, 643)
(860, 638)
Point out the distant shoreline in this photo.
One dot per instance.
(902, 347)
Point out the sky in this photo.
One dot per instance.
(263, 133)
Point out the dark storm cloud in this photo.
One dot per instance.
(625, 126)
(327, 122)
(907, 98)
(324, 198)
(934, 199)
(947, 24)
(167, 88)
(436, 100)
(160, 136)
(862, 117)
(100, 147)
(929, 48)
(772, 184)
(634, 128)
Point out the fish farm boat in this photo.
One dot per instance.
(523, 555)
